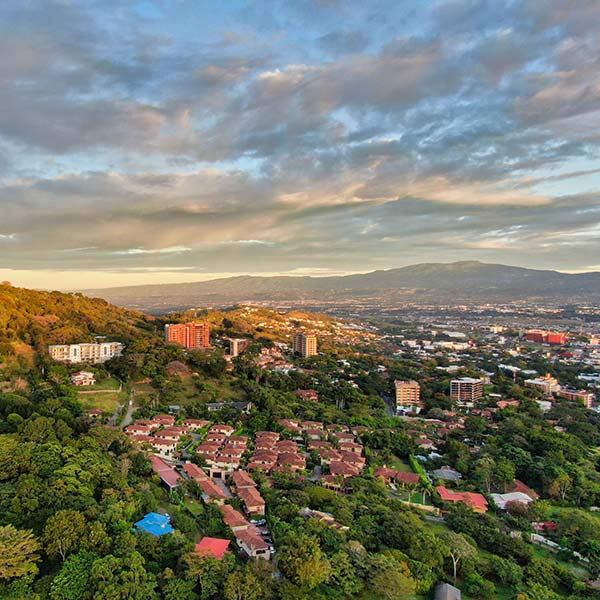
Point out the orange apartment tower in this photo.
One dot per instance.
(193, 336)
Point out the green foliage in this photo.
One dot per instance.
(18, 553)
(72, 581)
(303, 562)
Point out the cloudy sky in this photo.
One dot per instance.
(178, 140)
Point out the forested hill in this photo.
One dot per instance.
(35, 317)
(460, 282)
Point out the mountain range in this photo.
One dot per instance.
(429, 283)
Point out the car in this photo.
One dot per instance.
(272, 550)
(258, 522)
(269, 540)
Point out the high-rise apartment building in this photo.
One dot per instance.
(237, 346)
(97, 352)
(305, 344)
(193, 336)
(466, 390)
(408, 396)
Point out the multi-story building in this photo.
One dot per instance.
(237, 346)
(305, 344)
(546, 384)
(583, 396)
(466, 390)
(540, 336)
(193, 336)
(408, 396)
(97, 352)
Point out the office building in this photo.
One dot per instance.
(408, 396)
(466, 390)
(305, 344)
(193, 336)
(97, 352)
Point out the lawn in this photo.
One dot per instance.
(194, 507)
(105, 384)
(108, 401)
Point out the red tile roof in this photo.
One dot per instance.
(476, 501)
(212, 547)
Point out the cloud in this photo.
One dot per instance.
(335, 135)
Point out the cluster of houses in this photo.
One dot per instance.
(248, 535)
(221, 450)
(161, 433)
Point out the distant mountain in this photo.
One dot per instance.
(427, 282)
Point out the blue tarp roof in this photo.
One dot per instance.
(155, 524)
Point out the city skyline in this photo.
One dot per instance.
(160, 142)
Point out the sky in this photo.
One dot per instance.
(181, 140)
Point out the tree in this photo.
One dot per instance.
(460, 549)
(393, 583)
(484, 472)
(507, 572)
(504, 473)
(343, 575)
(208, 572)
(478, 587)
(64, 532)
(71, 583)
(303, 562)
(125, 578)
(560, 486)
(18, 552)
(243, 585)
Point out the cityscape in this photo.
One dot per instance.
(299, 300)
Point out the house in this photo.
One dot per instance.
(351, 447)
(194, 472)
(155, 524)
(211, 492)
(293, 460)
(519, 486)
(224, 429)
(286, 446)
(476, 501)
(166, 420)
(234, 519)
(241, 480)
(215, 547)
(168, 475)
(83, 378)
(195, 424)
(170, 433)
(445, 591)
(164, 448)
(501, 500)
(255, 505)
(138, 429)
(94, 414)
(308, 395)
(250, 541)
(447, 473)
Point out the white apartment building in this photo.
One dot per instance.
(85, 353)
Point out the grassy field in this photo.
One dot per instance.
(109, 384)
(106, 401)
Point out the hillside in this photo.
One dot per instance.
(34, 317)
(430, 282)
